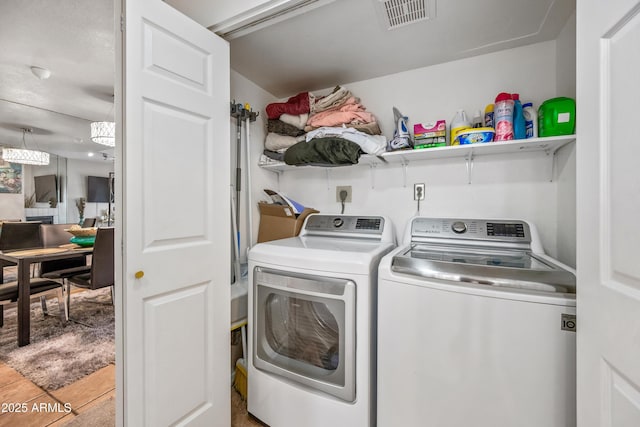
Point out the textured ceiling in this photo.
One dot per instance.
(73, 39)
(345, 41)
(339, 43)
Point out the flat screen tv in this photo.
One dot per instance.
(97, 189)
(46, 187)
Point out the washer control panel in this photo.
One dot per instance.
(471, 229)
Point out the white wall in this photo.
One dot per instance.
(508, 186)
(566, 158)
(244, 91)
(11, 206)
(78, 171)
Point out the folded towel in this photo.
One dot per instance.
(298, 104)
(275, 142)
(299, 121)
(278, 126)
(336, 98)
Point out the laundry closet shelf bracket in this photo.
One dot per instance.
(405, 166)
(372, 170)
(469, 162)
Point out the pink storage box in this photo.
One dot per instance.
(430, 130)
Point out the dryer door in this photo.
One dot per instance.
(305, 329)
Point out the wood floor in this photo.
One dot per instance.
(80, 396)
(47, 408)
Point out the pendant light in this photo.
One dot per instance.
(24, 155)
(104, 132)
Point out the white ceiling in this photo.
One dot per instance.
(345, 41)
(339, 43)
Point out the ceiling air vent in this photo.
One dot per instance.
(398, 13)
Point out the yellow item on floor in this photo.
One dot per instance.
(240, 379)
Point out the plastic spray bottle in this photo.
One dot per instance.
(519, 126)
(503, 116)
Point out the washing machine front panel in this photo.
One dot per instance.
(472, 359)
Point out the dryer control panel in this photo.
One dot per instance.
(344, 224)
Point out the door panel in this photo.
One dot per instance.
(164, 335)
(608, 196)
(175, 230)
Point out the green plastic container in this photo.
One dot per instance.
(557, 116)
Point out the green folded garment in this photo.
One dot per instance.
(329, 151)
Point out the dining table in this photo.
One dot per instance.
(24, 258)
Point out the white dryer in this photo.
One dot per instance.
(312, 302)
(476, 327)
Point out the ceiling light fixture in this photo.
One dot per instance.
(104, 133)
(24, 155)
(41, 73)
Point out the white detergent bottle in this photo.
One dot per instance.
(459, 123)
(530, 120)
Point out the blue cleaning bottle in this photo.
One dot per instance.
(519, 124)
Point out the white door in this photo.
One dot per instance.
(174, 220)
(608, 204)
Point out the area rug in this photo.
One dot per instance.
(62, 352)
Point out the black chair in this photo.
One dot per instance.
(19, 235)
(101, 273)
(39, 288)
(54, 235)
(25, 235)
(89, 222)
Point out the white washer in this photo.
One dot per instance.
(312, 325)
(476, 326)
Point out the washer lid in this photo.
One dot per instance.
(493, 267)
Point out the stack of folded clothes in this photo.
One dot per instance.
(330, 130)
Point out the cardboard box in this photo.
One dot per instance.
(429, 143)
(279, 222)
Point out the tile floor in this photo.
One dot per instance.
(80, 396)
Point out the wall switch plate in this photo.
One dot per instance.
(418, 191)
(339, 189)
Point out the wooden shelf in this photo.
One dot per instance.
(549, 145)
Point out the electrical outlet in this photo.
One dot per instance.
(339, 189)
(418, 191)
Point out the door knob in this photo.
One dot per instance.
(139, 274)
